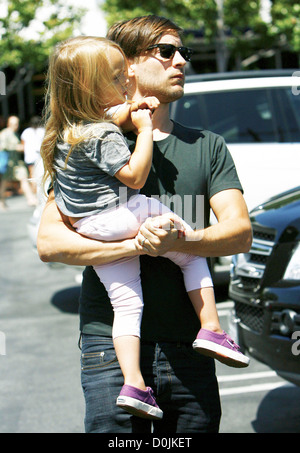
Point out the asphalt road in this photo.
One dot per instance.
(40, 389)
(40, 373)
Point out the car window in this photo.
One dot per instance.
(243, 116)
(289, 115)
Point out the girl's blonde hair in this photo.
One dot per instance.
(78, 75)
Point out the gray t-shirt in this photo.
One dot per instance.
(86, 185)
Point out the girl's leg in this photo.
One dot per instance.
(199, 287)
(127, 350)
(211, 339)
(121, 279)
(203, 300)
(196, 274)
(102, 380)
(122, 282)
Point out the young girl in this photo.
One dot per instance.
(96, 183)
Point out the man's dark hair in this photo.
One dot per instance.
(134, 36)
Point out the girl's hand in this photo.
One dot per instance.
(142, 119)
(151, 103)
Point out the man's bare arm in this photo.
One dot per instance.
(231, 235)
(58, 242)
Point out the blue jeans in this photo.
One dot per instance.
(183, 381)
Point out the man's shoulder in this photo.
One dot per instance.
(201, 139)
(4, 131)
(202, 134)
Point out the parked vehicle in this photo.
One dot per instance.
(258, 114)
(265, 287)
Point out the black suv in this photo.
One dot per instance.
(265, 286)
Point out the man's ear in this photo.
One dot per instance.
(131, 67)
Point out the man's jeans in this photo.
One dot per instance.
(183, 381)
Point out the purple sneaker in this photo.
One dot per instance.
(221, 347)
(139, 402)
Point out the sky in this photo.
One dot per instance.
(93, 23)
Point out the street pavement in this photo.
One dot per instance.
(40, 389)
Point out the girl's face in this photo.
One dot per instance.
(116, 92)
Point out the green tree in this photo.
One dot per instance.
(286, 23)
(178, 10)
(52, 20)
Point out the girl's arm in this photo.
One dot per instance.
(121, 116)
(135, 173)
(58, 242)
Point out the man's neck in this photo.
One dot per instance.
(162, 125)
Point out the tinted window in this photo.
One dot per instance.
(288, 115)
(260, 115)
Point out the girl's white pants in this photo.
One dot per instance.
(121, 278)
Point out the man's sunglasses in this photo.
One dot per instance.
(168, 51)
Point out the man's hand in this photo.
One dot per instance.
(232, 233)
(158, 235)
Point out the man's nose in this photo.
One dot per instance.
(178, 59)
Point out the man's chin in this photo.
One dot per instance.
(176, 94)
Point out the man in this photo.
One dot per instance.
(188, 164)
(32, 138)
(15, 170)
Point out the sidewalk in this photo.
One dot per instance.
(16, 203)
(40, 389)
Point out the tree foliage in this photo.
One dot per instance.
(190, 14)
(286, 23)
(30, 29)
(240, 21)
(178, 10)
